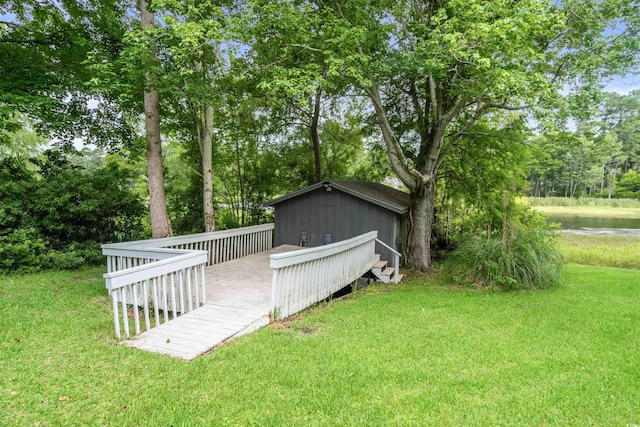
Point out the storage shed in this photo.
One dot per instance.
(331, 211)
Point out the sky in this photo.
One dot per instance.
(623, 85)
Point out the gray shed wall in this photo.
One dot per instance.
(319, 212)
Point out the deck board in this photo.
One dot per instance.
(238, 296)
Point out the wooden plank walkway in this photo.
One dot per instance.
(238, 302)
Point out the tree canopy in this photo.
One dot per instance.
(433, 69)
(44, 48)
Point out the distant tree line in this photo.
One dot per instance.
(600, 158)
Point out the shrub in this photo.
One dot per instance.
(25, 251)
(89, 252)
(523, 258)
(629, 185)
(56, 217)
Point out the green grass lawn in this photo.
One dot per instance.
(413, 354)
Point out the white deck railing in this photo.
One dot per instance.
(166, 275)
(302, 278)
(221, 246)
(171, 284)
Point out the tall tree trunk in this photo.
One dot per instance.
(243, 204)
(160, 223)
(315, 139)
(206, 153)
(421, 187)
(421, 219)
(207, 170)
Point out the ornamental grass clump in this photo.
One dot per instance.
(522, 256)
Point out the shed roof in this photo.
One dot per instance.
(373, 192)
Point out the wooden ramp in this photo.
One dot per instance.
(239, 302)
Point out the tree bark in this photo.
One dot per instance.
(421, 214)
(160, 223)
(207, 170)
(206, 153)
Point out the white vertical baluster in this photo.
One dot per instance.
(156, 301)
(212, 254)
(189, 291)
(165, 298)
(173, 295)
(125, 314)
(193, 271)
(234, 247)
(116, 318)
(204, 284)
(136, 309)
(181, 295)
(275, 286)
(145, 304)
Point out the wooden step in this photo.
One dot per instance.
(380, 265)
(377, 268)
(384, 273)
(389, 271)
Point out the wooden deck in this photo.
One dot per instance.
(238, 302)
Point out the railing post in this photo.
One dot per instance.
(125, 315)
(116, 317)
(203, 284)
(396, 276)
(136, 315)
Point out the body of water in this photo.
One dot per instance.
(587, 225)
